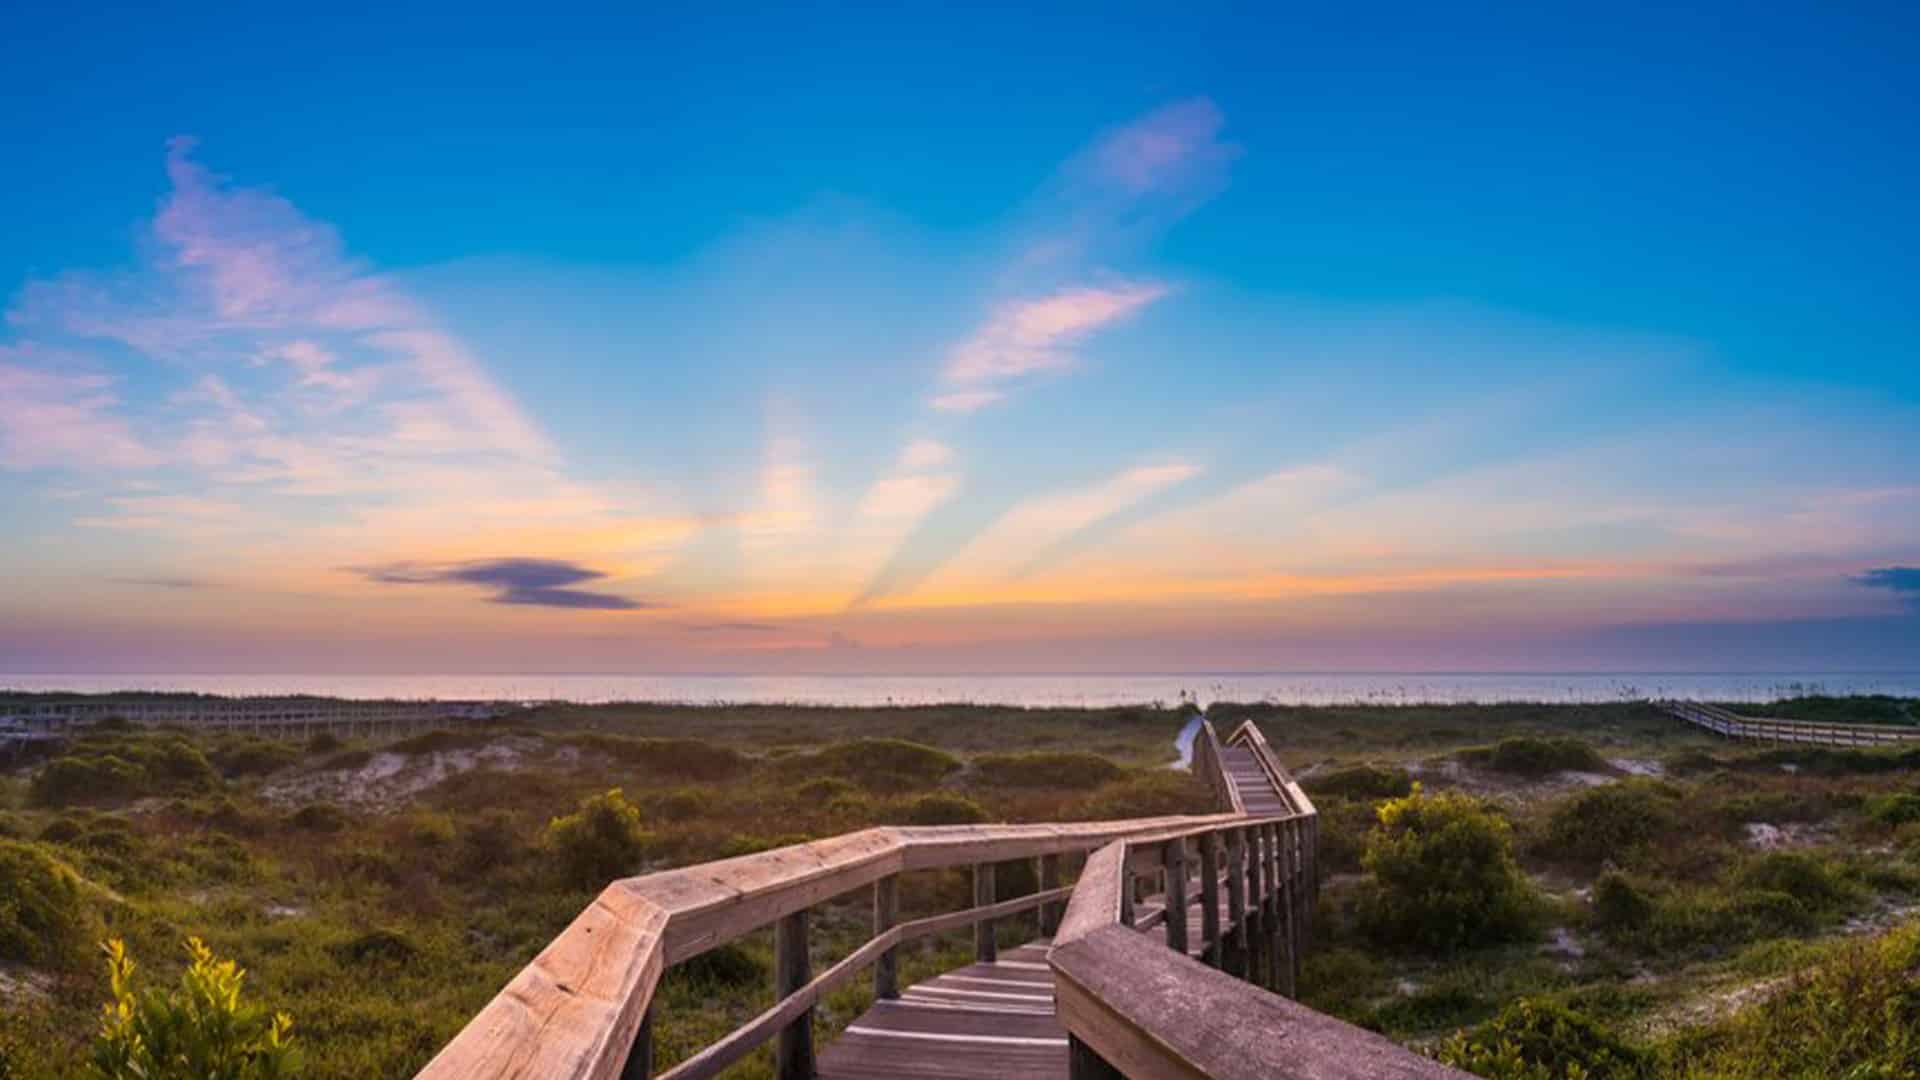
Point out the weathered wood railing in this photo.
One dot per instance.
(582, 1007)
(1196, 1007)
(1768, 729)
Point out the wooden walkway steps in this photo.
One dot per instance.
(1256, 789)
(986, 1021)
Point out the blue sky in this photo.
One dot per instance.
(1109, 337)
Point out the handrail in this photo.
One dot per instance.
(1772, 729)
(1133, 1008)
(579, 1010)
(1207, 763)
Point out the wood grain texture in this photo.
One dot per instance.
(1152, 1012)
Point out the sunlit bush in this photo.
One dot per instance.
(601, 841)
(43, 912)
(200, 1030)
(1535, 1040)
(1443, 876)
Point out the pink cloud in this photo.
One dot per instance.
(1175, 147)
(1039, 334)
(62, 418)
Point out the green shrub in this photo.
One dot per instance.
(875, 764)
(202, 1030)
(428, 829)
(941, 808)
(319, 817)
(1344, 826)
(1609, 821)
(680, 804)
(1528, 755)
(1619, 904)
(1148, 793)
(1538, 1040)
(1362, 782)
(120, 767)
(825, 789)
(441, 739)
(324, 742)
(1819, 884)
(599, 842)
(1897, 808)
(1443, 875)
(727, 966)
(249, 755)
(685, 759)
(382, 945)
(44, 917)
(1057, 770)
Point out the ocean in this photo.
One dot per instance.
(1373, 688)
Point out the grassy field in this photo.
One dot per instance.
(1678, 884)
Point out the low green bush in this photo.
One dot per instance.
(1148, 793)
(680, 804)
(1610, 821)
(599, 842)
(381, 945)
(120, 767)
(681, 758)
(1443, 876)
(1897, 808)
(320, 817)
(1361, 782)
(249, 755)
(1820, 884)
(876, 764)
(44, 914)
(441, 739)
(1054, 769)
(1619, 903)
(1539, 1040)
(1528, 755)
(941, 808)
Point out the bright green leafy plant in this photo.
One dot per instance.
(200, 1030)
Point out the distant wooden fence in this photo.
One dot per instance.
(584, 1007)
(292, 717)
(1770, 730)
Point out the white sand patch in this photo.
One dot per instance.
(1638, 766)
(389, 780)
(20, 987)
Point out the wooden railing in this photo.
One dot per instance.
(1207, 766)
(582, 1007)
(1134, 1008)
(1767, 729)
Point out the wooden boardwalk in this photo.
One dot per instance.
(996, 1020)
(1116, 983)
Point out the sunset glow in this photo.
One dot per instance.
(1151, 377)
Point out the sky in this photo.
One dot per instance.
(1096, 339)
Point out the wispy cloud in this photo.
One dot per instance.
(62, 418)
(519, 581)
(1175, 148)
(1026, 336)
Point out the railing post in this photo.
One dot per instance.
(886, 911)
(1049, 880)
(1258, 962)
(1126, 892)
(1285, 897)
(639, 1064)
(1234, 951)
(1173, 861)
(793, 1049)
(1084, 1064)
(984, 948)
(1210, 943)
